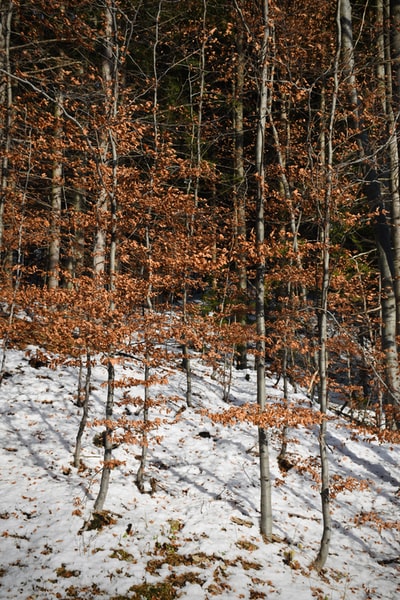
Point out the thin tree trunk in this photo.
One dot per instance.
(392, 88)
(240, 191)
(85, 412)
(323, 399)
(263, 437)
(19, 262)
(110, 84)
(186, 362)
(145, 443)
(323, 309)
(283, 451)
(390, 60)
(281, 155)
(193, 186)
(75, 259)
(6, 101)
(108, 441)
(56, 200)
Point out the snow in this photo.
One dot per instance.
(198, 532)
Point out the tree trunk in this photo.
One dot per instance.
(395, 45)
(75, 259)
(145, 444)
(283, 451)
(193, 185)
(56, 199)
(388, 234)
(263, 437)
(323, 395)
(85, 412)
(110, 84)
(391, 62)
(325, 212)
(6, 101)
(240, 191)
(186, 361)
(108, 442)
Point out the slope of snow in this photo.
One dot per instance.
(196, 535)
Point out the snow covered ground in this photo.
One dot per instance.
(196, 537)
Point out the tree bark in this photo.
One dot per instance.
(323, 389)
(387, 232)
(263, 436)
(85, 412)
(75, 258)
(108, 442)
(386, 228)
(240, 189)
(56, 199)
(6, 101)
(395, 45)
(110, 84)
(391, 62)
(193, 185)
(323, 360)
(143, 456)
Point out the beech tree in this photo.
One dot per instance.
(6, 100)
(265, 477)
(225, 176)
(327, 160)
(379, 175)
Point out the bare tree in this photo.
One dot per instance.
(56, 198)
(240, 183)
(376, 187)
(6, 100)
(193, 183)
(107, 145)
(108, 441)
(85, 409)
(263, 436)
(327, 156)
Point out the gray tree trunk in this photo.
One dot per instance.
(323, 400)
(85, 412)
(143, 456)
(6, 101)
(387, 232)
(240, 190)
(391, 63)
(323, 360)
(110, 85)
(108, 442)
(395, 44)
(323, 384)
(74, 260)
(263, 437)
(56, 200)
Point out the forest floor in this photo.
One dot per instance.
(195, 534)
